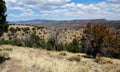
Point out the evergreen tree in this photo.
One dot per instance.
(3, 22)
(96, 38)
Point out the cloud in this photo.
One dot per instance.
(37, 3)
(64, 8)
(115, 1)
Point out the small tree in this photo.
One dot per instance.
(96, 37)
(3, 23)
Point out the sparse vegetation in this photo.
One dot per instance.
(4, 54)
(12, 42)
(26, 30)
(36, 41)
(13, 30)
(74, 58)
(66, 46)
(30, 60)
(18, 29)
(33, 29)
(102, 60)
(63, 53)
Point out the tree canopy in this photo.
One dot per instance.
(3, 22)
(98, 38)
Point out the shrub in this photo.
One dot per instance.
(49, 46)
(74, 46)
(26, 29)
(74, 58)
(8, 49)
(4, 54)
(101, 60)
(61, 47)
(33, 29)
(13, 30)
(12, 42)
(63, 53)
(35, 41)
(39, 28)
(18, 29)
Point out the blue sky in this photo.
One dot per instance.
(20, 10)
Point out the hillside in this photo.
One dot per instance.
(23, 59)
(23, 32)
(66, 23)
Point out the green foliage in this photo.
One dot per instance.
(62, 47)
(49, 46)
(13, 30)
(33, 29)
(18, 29)
(39, 28)
(12, 42)
(36, 41)
(26, 29)
(3, 23)
(74, 46)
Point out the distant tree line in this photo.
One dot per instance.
(38, 42)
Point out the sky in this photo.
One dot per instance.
(21, 10)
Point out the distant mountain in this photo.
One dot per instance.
(66, 23)
(30, 21)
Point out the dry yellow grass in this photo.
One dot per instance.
(25, 59)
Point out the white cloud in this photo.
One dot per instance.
(65, 8)
(116, 1)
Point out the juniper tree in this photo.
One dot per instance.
(97, 38)
(3, 22)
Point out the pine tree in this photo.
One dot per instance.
(3, 23)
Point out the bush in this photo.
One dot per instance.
(49, 46)
(13, 30)
(18, 29)
(74, 46)
(4, 54)
(33, 29)
(63, 53)
(12, 42)
(101, 60)
(74, 58)
(39, 28)
(26, 29)
(35, 41)
(61, 47)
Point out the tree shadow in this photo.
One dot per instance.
(3, 59)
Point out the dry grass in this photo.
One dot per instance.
(63, 53)
(103, 60)
(74, 58)
(4, 54)
(39, 60)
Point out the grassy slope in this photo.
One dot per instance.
(39, 60)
